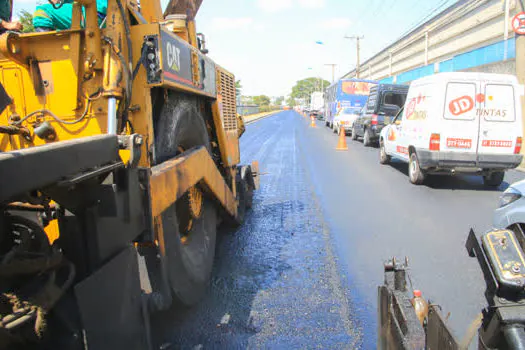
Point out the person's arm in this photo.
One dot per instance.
(14, 25)
(42, 21)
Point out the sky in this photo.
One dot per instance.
(271, 44)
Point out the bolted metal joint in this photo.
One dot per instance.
(133, 144)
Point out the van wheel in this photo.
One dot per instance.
(415, 173)
(336, 130)
(383, 157)
(366, 139)
(326, 124)
(354, 134)
(494, 179)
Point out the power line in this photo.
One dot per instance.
(386, 7)
(367, 13)
(413, 25)
(428, 16)
(457, 15)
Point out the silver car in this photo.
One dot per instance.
(511, 211)
(345, 118)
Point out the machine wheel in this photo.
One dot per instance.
(494, 179)
(415, 173)
(383, 157)
(247, 178)
(249, 197)
(245, 187)
(354, 134)
(242, 193)
(189, 225)
(366, 139)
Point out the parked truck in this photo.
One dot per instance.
(317, 103)
(119, 158)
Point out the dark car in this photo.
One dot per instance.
(384, 101)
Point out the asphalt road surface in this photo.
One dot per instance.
(304, 269)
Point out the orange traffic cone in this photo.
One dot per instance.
(341, 144)
(312, 124)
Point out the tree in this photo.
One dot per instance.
(261, 100)
(279, 100)
(26, 18)
(238, 87)
(246, 100)
(304, 88)
(291, 102)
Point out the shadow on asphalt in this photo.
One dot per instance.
(456, 182)
(247, 261)
(360, 142)
(445, 182)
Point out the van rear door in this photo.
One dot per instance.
(460, 127)
(498, 131)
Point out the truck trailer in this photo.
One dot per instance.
(316, 103)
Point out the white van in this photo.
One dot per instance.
(459, 122)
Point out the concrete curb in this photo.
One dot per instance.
(259, 117)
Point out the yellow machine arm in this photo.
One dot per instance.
(152, 11)
(183, 7)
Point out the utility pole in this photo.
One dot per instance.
(333, 69)
(357, 38)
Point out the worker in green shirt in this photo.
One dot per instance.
(47, 17)
(6, 9)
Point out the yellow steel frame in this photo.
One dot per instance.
(171, 179)
(76, 63)
(59, 58)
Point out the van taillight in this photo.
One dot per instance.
(374, 119)
(517, 148)
(434, 142)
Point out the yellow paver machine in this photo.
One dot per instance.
(119, 157)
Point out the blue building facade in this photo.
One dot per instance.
(501, 51)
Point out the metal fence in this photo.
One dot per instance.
(248, 109)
